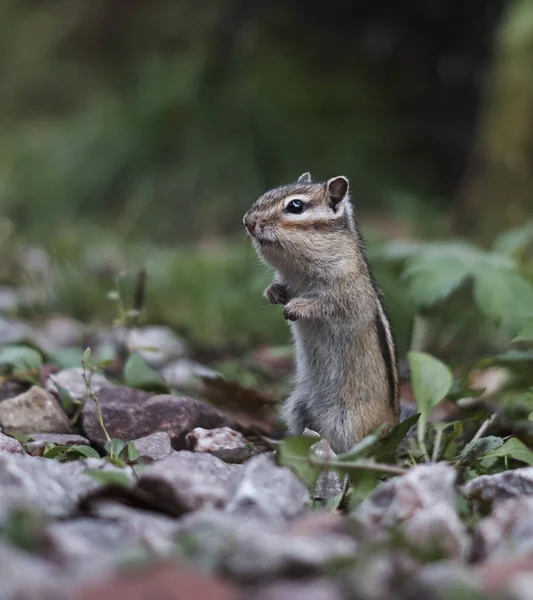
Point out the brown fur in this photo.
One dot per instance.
(347, 380)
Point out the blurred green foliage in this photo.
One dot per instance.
(154, 121)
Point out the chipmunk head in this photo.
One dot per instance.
(301, 221)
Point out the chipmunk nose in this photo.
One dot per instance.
(250, 222)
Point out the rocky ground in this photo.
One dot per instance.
(189, 500)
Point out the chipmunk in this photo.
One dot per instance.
(346, 366)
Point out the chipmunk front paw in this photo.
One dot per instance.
(276, 293)
(296, 309)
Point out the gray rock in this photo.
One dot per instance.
(519, 588)
(265, 490)
(381, 574)
(189, 480)
(156, 445)
(329, 484)
(13, 332)
(259, 549)
(63, 332)
(422, 504)
(507, 531)
(104, 538)
(223, 442)
(38, 441)
(10, 445)
(28, 577)
(157, 345)
(316, 589)
(33, 411)
(444, 580)
(508, 484)
(72, 381)
(130, 414)
(46, 486)
(142, 527)
(185, 375)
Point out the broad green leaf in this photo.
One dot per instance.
(477, 450)
(108, 477)
(83, 450)
(138, 374)
(65, 398)
(432, 280)
(431, 380)
(129, 452)
(526, 333)
(293, 452)
(513, 448)
(481, 446)
(514, 240)
(363, 485)
(504, 296)
(66, 358)
(361, 447)
(511, 356)
(116, 461)
(116, 447)
(21, 359)
(386, 450)
(53, 451)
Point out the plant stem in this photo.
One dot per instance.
(98, 409)
(362, 465)
(484, 426)
(436, 447)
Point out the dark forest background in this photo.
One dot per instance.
(135, 135)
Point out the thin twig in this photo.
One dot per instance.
(362, 465)
(484, 426)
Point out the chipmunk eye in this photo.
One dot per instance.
(295, 206)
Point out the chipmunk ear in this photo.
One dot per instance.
(305, 178)
(337, 190)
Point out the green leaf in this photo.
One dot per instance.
(431, 380)
(65, 398)
(386, 451)
(504, 296)
(514, 240)
(21, 359)
(526, 333)
(83, 450)
(116, 447)
(481, 446)
(86, 354)
(361, 447)
(477, 450)
(66, 358)
(138, 374)
(53, 451)
(293, 452)
(116, 461)
(129, 453)
(513, 448)
(363, 485)
(108, 477)
(431, 281)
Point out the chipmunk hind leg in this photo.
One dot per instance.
(296, 415)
